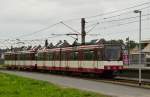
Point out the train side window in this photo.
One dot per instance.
(96, 54)
(81, 55)
(6, 57)
(63, 56)
(99, 55)
(27, 56)
(18, 56)
(68, 55)
(44, 56)
(32, 56)
(39, 57)
(22, 56)
(88, 55)
(55, 56)
(49, 56)
(74, 55)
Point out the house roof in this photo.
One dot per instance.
(145, 41)
(146, 49)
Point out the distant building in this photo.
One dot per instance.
(134, 54)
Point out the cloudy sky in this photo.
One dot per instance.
(22, 17)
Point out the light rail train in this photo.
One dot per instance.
(101, 59)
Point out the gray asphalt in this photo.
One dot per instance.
(99, 87)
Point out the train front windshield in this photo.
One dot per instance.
(112, 53)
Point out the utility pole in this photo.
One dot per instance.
(83, 33)
(128, 47)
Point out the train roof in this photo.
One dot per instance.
(76, 48)
(18, 52)
(83, 47)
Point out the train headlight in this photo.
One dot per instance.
(120, 67)
(114, 68)
(108, 68)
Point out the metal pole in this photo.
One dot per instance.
(128, 40)
(140, 51)
(129, 52)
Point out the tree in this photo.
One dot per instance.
(132, 44)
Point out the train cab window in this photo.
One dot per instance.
(112, 53)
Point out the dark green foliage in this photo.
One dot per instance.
(132, 44)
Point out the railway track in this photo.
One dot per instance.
(127, 81)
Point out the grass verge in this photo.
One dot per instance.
(14, 86)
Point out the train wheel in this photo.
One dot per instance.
(108, 74)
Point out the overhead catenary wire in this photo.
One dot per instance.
(114, 21)
(35, 32)
(124, 13)
(124, 9)
(89, 17)
(69, 27)
(92, 27)
(121, 24)
(122, 19)
(120, 10)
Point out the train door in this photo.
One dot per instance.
(49, 59)
(18, 60)
(95, 57)
(32, 57)
(99, 57)
(57, 60)
(67, 59)
(80, 59)
(11, 59)
(53, 59)
(15, 58)
(24, 59)
(44, 60)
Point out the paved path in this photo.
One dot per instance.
(100, 87)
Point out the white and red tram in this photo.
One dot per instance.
(96, 59)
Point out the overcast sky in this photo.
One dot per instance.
(19, 17)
